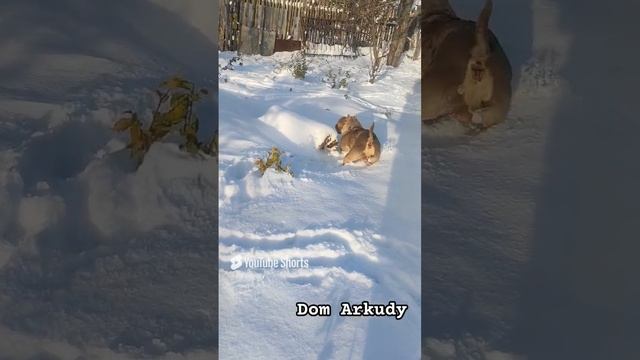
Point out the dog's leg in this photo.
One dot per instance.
(434, 121)
(463, 117)
(324, 143)
(352, 156)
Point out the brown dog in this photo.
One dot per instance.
(358, 142)
(465, 72)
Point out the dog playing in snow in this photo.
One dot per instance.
(357, 142)
(465, 72)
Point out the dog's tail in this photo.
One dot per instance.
(482, 30)
(370, 138)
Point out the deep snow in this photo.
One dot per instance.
(98, 260)
(528, 228)
(358, 227)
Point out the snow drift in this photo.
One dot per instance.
(97, 259)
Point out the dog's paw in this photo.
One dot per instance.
(475, 129)
(476, 118)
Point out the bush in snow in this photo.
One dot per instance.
(298, 65)
(230, 66)
(337, 80)
(176, 97)
(231, 63)
(273, 160)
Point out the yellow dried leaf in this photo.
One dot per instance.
(158, 132)
(174, 116)
(123, 124)
(177, 82)
(180, 98)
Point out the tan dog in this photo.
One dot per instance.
(465, 72)
(358, 142)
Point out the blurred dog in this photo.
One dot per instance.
(347, 123)
(465, 72)
(358, 143)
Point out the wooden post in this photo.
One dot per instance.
(399, 36)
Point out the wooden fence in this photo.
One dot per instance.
(256, 26)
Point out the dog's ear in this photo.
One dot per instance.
(340, 124)
(371, 128)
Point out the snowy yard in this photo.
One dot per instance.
(98, 260)
(356, 227)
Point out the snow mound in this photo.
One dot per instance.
(304, 132)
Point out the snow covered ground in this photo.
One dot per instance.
(479, 199)
(98, 260)
(357, 227)
(528, 228)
